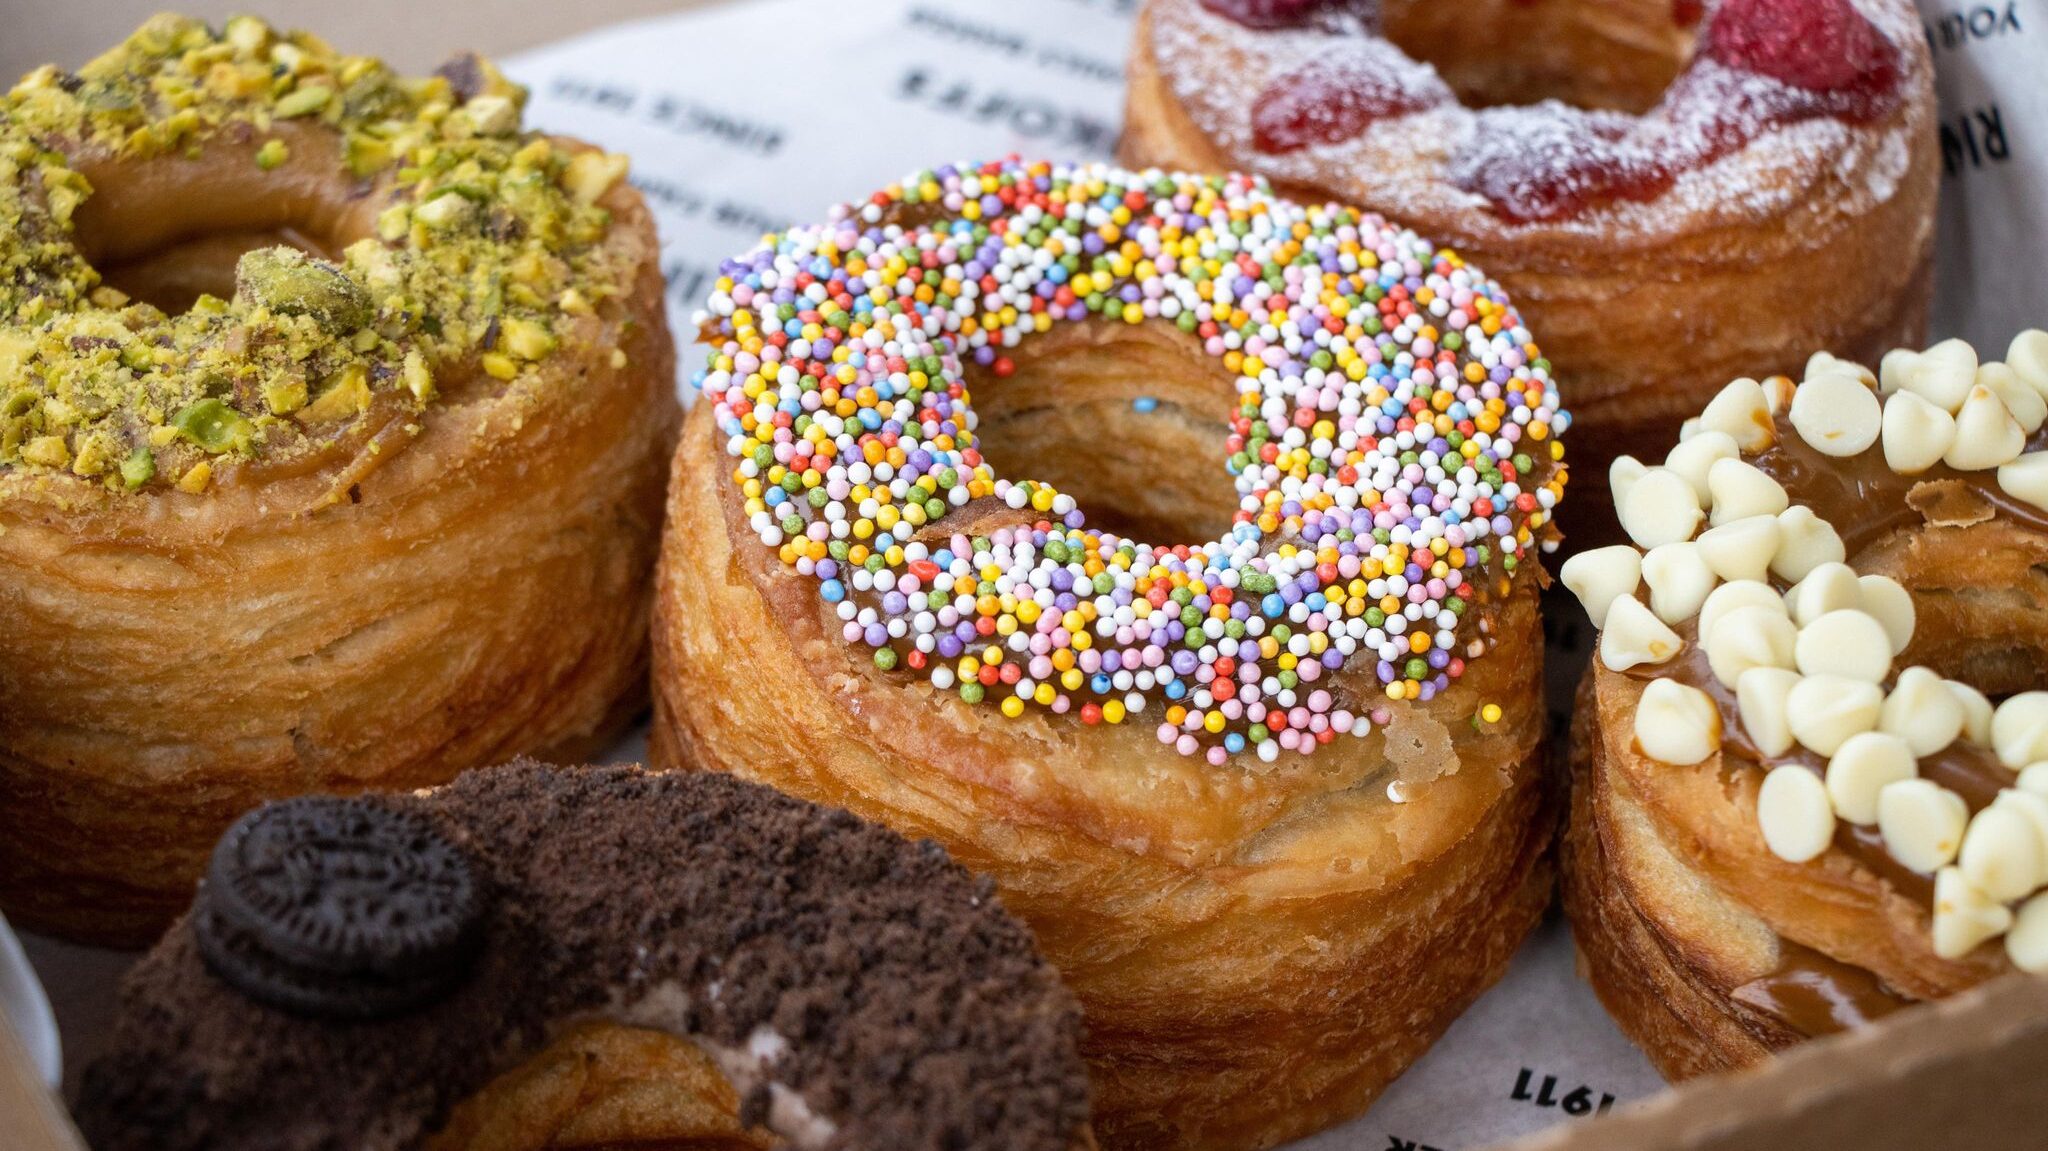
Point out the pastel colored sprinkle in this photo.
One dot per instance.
(1394, 449)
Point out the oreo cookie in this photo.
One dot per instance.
(338, 908)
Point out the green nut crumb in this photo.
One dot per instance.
(214, 426)
(49, 451)
(285, 395)
(484, 236)
(290, 283)
(303, 102)
(527, 339)
(139, 468)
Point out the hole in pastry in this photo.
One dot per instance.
(175, 275)
(1128, 419)
(167, 230)
(1619, 57)
(605, 1086)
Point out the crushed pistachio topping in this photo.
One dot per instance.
(487, 239)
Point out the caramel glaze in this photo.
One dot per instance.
(1865, 499)
(1815, 995)
(1812, 993)
(1866, 502)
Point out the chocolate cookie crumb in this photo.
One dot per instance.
(886, 987)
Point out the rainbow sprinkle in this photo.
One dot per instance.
(1394, 447)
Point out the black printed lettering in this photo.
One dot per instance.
(1047, 125)
(1974, 139)
(1957, 28)
(1578, 1100)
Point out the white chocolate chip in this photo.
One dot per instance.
(1865, 765)
(1679, 580)
(2034, 809)
(1986, 434)
(1849, 643)
(1922, 711)
(1693, 458)
(1622, 475)
(2034, 778)
(1922, 823)
(1632, 635)
(1741, 549)
(1740, 490)
(2025, 404)
(1749, 637)
(1945, 373)
(1916, 433)
(1976, 712)
(1964, 916)
(1762, 698)
(1836, 414)
(1676, 723)
(1821, 362)
(1778, 390)
(1793, 811)
(2019, 729)
(1742, 412)
(1729, 596)
(1688, 429)
(1828, 587)
(1825, 710)
(1805, 541)
(1603, 575)
(1892, 604)
(2026, 478)
(1897, 367)
(2027, 943)
(1659, 508)
(2027, 356)
(2001, 854)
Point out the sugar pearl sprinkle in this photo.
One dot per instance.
(1809, 644)
(1394, 447)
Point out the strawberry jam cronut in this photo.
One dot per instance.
(1677, 193)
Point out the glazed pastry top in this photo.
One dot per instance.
(1742, 608)
(1393, 446)
(455, 244)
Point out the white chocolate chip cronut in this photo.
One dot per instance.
(1784, 552)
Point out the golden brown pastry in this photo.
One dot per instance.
(1253, 748)
(1677, 194)
(483, 968)
(1798, 807)
(331, 453)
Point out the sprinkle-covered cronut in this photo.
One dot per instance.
(478, 241)
(1394, 448)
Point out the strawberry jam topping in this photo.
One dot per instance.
(1270, 14)
(1551, 161)
(1824, 47)
(1340, 94)
(1762, 64)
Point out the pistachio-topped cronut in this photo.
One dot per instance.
(222, 245)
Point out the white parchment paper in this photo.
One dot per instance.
(745, 118)
(1991, 72)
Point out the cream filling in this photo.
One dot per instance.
(748, 1065)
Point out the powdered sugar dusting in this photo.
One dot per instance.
(1725, 147)
(1341, 92)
